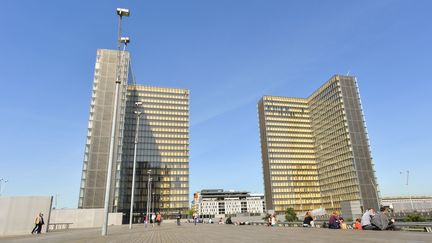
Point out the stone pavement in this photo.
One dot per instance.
(188, 233)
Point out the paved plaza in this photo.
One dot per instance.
(188, 233)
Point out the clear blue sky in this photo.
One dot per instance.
(229, 54)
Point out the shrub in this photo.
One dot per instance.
(290, 215)
(415, 217)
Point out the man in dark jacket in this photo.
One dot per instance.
(178, 217)
(41, 222)
(382, 221)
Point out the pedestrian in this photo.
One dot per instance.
(153, 218)
(334, 221)
(366, 220)
(178, 218)
(158, 218)
(36, 222)
(357, 224)
(273, 220)
(382, 221)
(39, 221)
(145, 220)
(195, 218)
(228, 220)
(308, 220)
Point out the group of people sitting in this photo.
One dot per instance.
(369, 221)
(377, 221)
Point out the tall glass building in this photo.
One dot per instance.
(315, 150)
(162, 148)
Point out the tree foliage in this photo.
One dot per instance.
(290, 215)
(191, 211)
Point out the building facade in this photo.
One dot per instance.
(315, 150)
(162, 147)
(96, 152)
(217, 202)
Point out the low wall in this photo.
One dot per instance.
(17, 214)
(84, 218)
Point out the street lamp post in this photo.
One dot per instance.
(409, 194)
(152, 208)
(2, 181)
(121, 13)
(138, 114)
(148, 195)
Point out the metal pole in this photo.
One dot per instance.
(149, 195)
(113, 126)
(148, 191)
(2, 181)
(412, 205)
(133, 170)
(152, 203)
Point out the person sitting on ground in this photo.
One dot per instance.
(228, 221)
(308, 220)
(381, 220)
(220, 221)
(334, 222)
(357, 224)
(273, 220)
(366, 220)
(342, 223)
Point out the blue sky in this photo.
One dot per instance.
(229, 54)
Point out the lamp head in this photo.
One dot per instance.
(123, 12)
(125, 40)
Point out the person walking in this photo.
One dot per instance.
(146, 219)
(158, 218)
(178, 217)
(36, 222)
(195, 218)
(41, 222)
(153, 218)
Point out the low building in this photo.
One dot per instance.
(217, 202)
(408, 204)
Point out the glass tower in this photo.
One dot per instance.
(163, 145)
(163, 148)
(315, 151)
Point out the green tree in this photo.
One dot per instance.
(290, 215)
(415, 217)
(191, 211)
